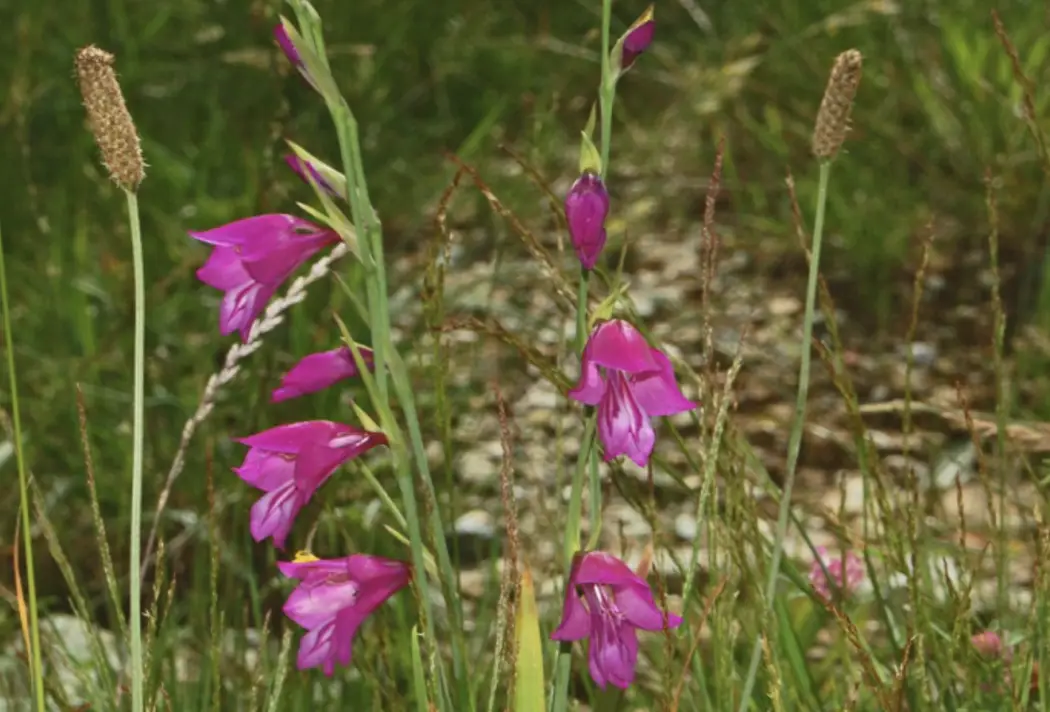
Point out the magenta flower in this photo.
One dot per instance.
(616, 603)
(637, 39)
(252, 257)
(586, 207)
(333, 598)
(638, 384)
(291, 462)
(318, 371)
(846, 573)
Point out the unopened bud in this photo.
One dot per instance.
(586, 207)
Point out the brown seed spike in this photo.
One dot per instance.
(833, 117)
(110, 121)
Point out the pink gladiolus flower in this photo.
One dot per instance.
(845, 573)
(252, 257)
(638, 38)
(333, 598)
(291, 462)
(318, 371)
(586, 207)
(616, 603)
(638, 384)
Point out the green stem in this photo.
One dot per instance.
(607, 92)
(36, 668)
(581, 310)
(138, 702)
(795, 439)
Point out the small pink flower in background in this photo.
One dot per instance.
(319, 371)
(638, 384)
(638, 38)
(291, 462)
(333, 598)
(615, 603)
(989, 644)
(252, 257)
(586, 207)
(302, 167)
(845, 573)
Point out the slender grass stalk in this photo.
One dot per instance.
(35, 666)
(138, 424)
(795, 439)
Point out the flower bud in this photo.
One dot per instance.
(637, 39)
(586, 207)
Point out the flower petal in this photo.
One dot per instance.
(657, 392)
(318, 371)
(638, 607)
(292, 437)
(316, 649)
(613, 656)
(313, 606)
(241, 306)
(274, 514)
(266, 469)
(591, 386)
(601, 568)
(313, 569)
(278, 264)
(617, 345)
(623, 426)
(254, 237)
(575, 620)
(223, 270)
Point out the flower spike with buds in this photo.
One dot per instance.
(111, 123)
(291, 462)
(333, 599)
(833, 117)
(252, 258)
(616, 602)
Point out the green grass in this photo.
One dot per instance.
(939, 106)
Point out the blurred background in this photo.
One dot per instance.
(214, 100)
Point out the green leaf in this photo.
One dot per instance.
(528, 664)
(590, 159)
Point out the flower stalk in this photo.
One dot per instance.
(121, 152)
(831, 127)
